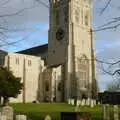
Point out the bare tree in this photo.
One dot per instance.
(112, 69)
(6, 30)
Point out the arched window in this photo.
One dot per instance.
(59, 86)
(47, 75)
(83, 72)
(86, 18)
(46, 86)
(77, 15)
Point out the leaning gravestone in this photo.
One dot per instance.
(8, 112)
(21, 117)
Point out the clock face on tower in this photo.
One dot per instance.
(60, 34)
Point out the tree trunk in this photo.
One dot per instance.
(5, 101)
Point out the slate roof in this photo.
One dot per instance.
(38, 50)
(2, 51)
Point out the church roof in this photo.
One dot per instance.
(35, 50)
(2, 51)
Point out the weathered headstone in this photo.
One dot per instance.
(88, 102)
(94, 102)
(116, 112)
(106, 112)
(8, 112)
(21, 117)
(69, 101)
(48, 117)
(83, 102)
(3, 117)
(91, 103)
(76, 109)
(72, 102)
(78, 103)
(98, 103)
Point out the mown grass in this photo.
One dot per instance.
(38, 111)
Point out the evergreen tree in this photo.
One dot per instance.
(10, 86)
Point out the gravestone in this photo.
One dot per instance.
(21, 117)
(106, 112)
(91, 103)
(88, 102)
(3, 117)
(116, 112)
(98, 103)
(76, 109)
(8, 112)
(94, 102)
(69, 101)
(72, 102)
(48, 117)
(78, 103)
(83, 102)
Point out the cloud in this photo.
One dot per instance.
(110, 50)
(35, 12)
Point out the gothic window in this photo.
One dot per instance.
(58, 17)
(47, 74)
(83, 42)
(46, 87)
(77, 15)
(29, 62)
(66, 14)
(59, 87)
(83, 71)
(17, 61)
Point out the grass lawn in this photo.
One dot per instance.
(38, 111)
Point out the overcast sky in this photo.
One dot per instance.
(32, 28)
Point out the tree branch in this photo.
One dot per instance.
(18, 12)
(106, 6)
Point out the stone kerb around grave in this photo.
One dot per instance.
(21, 117)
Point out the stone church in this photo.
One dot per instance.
(67, 63)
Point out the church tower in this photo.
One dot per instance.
(70, 45)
